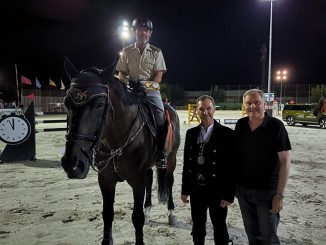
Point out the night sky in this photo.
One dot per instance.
(203, 42)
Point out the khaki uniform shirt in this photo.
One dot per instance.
(141, 66)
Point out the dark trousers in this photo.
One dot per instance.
(259, 222)
(199, 203)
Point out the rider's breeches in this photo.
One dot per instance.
(158, 109)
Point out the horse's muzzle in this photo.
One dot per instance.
(75, 169)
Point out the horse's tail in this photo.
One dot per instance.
(162, 186)
(164, 179)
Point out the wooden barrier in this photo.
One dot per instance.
(192, 114)
(50, 121)
(49, 130)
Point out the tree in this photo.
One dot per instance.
(174, 93)
(218, 94)
(316, 93)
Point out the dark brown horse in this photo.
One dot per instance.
(108, 130)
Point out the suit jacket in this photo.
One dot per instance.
(218, 169)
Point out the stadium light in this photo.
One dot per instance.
(124, 32)
(270, 59)
(281, 76)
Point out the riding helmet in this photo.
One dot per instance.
(142, 22)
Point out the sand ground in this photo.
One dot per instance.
(40, 206)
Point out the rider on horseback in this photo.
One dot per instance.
(144, 63)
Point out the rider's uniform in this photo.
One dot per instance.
(141, 66)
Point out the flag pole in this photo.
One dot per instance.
(50, 93)
(50, 87)
(40, 93)
(35, 100)
(17, 86)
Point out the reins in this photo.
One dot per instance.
(118, 152)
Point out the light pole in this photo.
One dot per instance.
(270, 59)
(124, 32)
(281, 75)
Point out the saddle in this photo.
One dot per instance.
(147, 108)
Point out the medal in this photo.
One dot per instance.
(200, 160)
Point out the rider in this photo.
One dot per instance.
(143, 62)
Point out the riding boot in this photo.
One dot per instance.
(160, 138)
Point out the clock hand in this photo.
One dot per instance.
(13, 124)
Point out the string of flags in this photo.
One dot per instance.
(25, 80)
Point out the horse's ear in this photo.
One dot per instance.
(71, 70)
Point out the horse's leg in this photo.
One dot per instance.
(148, 197)
(172, 219)
(107, 186)
(138, 218)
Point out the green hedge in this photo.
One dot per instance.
(229, 106)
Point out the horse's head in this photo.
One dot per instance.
(86, 102)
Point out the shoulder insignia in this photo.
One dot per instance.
(128, 47)
(155, 48)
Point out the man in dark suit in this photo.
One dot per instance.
(207, 176)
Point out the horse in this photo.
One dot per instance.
(108, 130)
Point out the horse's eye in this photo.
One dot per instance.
(100, 105)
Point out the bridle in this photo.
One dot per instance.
(100, 90)
(74, 95)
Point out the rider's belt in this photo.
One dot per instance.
(151, 86)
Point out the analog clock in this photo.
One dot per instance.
(14, 129)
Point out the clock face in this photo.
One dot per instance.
(14, 129)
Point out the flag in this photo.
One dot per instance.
(62, 86)
(38, 84)
(25, 80)
(31, 96)
(52, 83)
